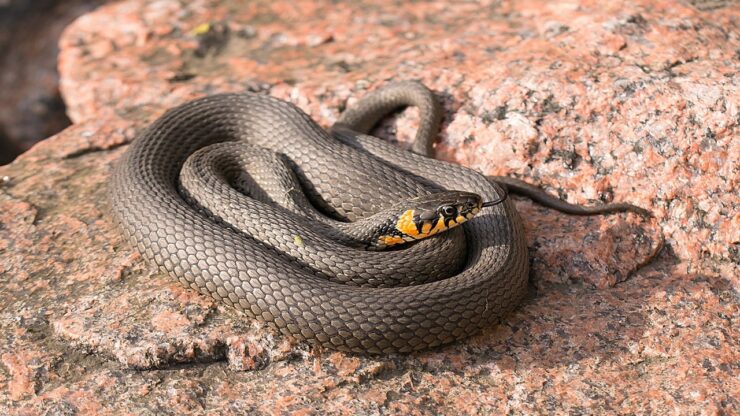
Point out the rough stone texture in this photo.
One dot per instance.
(626, 101)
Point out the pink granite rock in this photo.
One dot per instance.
(632, 100)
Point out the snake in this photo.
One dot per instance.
(331, 236)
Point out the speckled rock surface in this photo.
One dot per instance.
(626, 101)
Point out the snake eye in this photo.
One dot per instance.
(448, 210)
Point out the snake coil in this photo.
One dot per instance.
(347, 174)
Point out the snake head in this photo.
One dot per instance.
(429, 215)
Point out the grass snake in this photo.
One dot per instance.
(245, 198)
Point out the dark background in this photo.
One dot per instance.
(30, 106)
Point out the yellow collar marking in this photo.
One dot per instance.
(407, 225)
(391, 240)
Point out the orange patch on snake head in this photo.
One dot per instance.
(406, 224)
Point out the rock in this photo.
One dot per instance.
(633, 101)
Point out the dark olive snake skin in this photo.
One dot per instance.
(323, 241)
(479, 269)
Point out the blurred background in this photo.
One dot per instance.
(30, 106)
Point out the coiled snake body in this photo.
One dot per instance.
(278, 268)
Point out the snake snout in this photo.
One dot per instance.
(469, 205)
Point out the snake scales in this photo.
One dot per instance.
(284, 269)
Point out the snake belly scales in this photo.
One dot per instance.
(349, 175)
